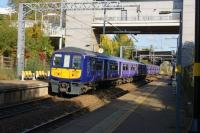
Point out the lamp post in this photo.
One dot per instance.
(104, 18)
(178, 69)
(195, 127)
(124, 47)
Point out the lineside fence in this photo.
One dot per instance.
(7, 62)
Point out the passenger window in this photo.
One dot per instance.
(125, 66)
(113, 66)
(133, 67)
(99, 65)
(76, 62)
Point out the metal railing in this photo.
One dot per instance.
(138, 18)
(53, 29)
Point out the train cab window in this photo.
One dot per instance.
(57, 60)
(125, 66)
(76, 62)
(66, 61)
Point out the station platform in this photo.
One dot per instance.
(150, 109)
(17, 84)
(14, 91)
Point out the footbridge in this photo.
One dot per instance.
(143, 25)
(135, 25)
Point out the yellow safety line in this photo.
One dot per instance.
(196, 69)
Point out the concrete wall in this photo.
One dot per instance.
(79, 32)
(188, 32)
(11, 96)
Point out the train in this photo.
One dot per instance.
(74, 71)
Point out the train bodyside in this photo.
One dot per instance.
(75, 71)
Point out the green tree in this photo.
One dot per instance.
(8, 38)
(124, 40)
(36, 42)
(107, 45)
(112, 46)
(38, 48)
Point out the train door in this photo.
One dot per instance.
(120, 69)
(125, 70)
(90, 69)
(99, 69)
(105, 69)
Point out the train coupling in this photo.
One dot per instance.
(64, 87)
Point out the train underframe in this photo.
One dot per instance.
(77, 88)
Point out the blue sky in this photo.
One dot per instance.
(160, 42)
(3, 3)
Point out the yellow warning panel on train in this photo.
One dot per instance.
(66, 73)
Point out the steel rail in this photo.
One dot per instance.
(16, 109)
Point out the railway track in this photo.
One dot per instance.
(53, 122)
(64, 117)
(46, 126)
(17, 109)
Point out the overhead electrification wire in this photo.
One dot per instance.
(122, 30)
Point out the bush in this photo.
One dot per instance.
(166, 68)
(7, 74)
(34, 64)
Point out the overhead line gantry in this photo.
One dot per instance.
(26, 8)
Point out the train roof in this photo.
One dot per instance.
(94, 54)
